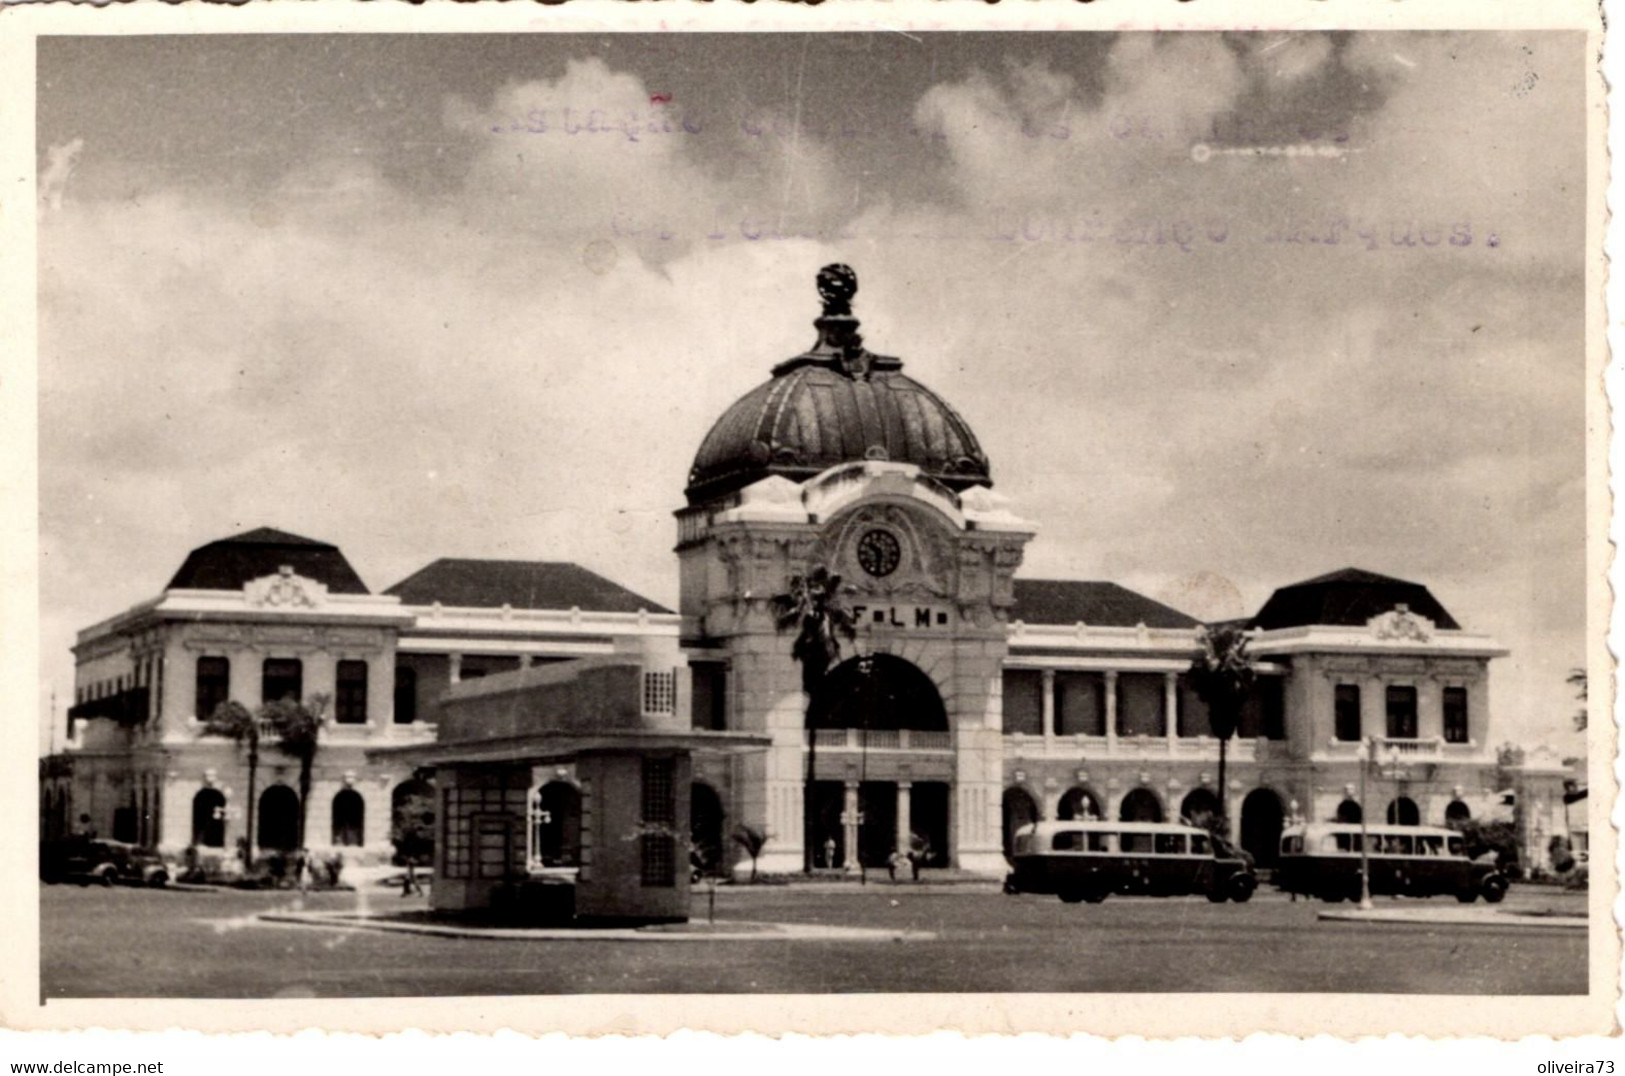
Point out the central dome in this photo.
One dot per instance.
(834, 404)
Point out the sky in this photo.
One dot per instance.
(1225, 311)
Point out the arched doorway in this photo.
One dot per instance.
(209, 818)
(1018, 810)
(349, 819)
(1261, 823)
(1200, 808)
(411, 820)
(1140, 805)
(1348, 811)
(705, 823)
(555, 825)
(1402, 811)
(279, 819)
(1079, 805)
(1457, 815)
(880, 693)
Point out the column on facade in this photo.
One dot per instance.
(904, 806)
(454, 663)
(1111, 711)
(1170, 708)
(1048, 696)
(849, 824)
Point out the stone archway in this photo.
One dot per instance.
(1019, 810)
(349, 819)
(881, 693)
(1078, 805)
(1262, 820)
(1349, 812)
(1140, 805)
(1200, 807)
(1457, 814)
(278, 821)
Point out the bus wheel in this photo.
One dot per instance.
(1467, 896)
(1095, 896)
(1495, 890)
(1241, 889)
(1072, 896)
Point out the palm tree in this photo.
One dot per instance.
(752, 839)
(233, 721)
(1222, 676)
(813, 609)
(298, 728)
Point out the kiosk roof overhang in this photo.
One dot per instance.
(558, 745)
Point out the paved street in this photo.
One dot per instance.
(125, 942)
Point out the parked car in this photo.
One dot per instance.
(87, 860)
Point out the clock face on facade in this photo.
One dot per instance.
(878, 552)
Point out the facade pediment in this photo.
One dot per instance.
(1399, 624)
(285, 590)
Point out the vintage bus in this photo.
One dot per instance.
(1087, 861)
(1323, 860)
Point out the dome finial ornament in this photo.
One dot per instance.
(837, 284)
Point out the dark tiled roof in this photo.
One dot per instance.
(1350, 598)
(522, 584)
(1067, 601)
(228, 563)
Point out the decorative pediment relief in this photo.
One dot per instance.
(924, 565)
(285, 590)
(1399, 624)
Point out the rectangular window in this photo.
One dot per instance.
(406, 694)
(1263, 716)
(1455, 715)
(1080, 704)
(709, 704)
(213, 685)
(1170, 844)
(282, 678)
(659, 692)
(1346, 713)
(1401, 712)
(1135, 843)
(350, 693)
(1067, 842)
(1139, 704)
(1024, 702)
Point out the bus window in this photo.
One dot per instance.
(1457, 848)
(1397, 844)
(1100, 842)
(1432, 845)
(1134, 843)
(1200, 845)
(1067, 841)
(1292, 845)
(1347, 842)
(1170, 844)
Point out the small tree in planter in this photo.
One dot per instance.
(752, 839)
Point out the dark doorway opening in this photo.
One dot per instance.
(1140, 805)
(825, 832)
(1019, 810)
(209, 819)
(278, 821)
(556, 825)
(705, 826)
(1261, 823)
(928, 820)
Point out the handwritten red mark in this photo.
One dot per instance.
(660, 98)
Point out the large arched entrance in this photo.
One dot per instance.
(1200, 808)
(1261, 823)
(1079, 805)
(1018, 810)
(1140, 805)
(349, 819)
(1402, 811)
(209, 818)
(883, 699)
(555, 825)
(278, 821)
(705, 823)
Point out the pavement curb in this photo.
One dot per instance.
(1422, 917)
(773, 931)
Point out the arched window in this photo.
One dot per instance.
(278, 820)
(1262, 820)
(209, 819)
(1403, 812)
(1200, 808)
(1458, 814)
(1079, 805)
(349, 819)
(1348, 811)
(1140, 805)
(1019, 810)
(705, 825)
